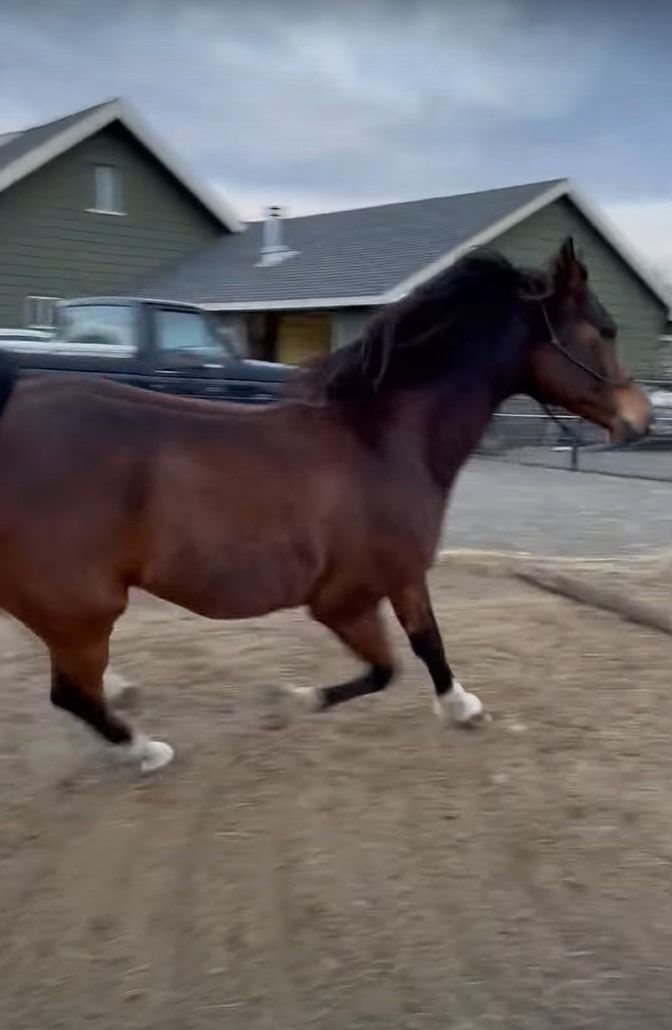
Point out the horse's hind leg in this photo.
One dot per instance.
(413, 608)
(78, 664)
(366, 637)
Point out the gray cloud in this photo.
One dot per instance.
(350, 101)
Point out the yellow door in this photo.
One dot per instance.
(302, 337)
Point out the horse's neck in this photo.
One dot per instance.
(445, 424)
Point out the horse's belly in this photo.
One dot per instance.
(239, 583)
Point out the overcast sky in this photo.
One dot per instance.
(333, 103)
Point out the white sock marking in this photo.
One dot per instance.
(151, 754)
(310, 698)
(460, 706)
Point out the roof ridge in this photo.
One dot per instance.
(81, 113)
(545, 184)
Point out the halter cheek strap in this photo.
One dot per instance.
(553, 337)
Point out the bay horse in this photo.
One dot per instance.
(332, 499)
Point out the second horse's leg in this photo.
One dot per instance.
(413, 608)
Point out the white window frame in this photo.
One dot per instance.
(114, 188)
(39, 303)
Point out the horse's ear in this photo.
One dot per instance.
(568, 274)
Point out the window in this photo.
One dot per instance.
(187, 334)
(98, 323)
(107, 195)
(40, 312)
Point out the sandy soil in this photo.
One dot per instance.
(363, 868)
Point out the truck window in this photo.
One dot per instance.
(97, 323)
(188, 334)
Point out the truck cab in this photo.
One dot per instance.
(158, 345)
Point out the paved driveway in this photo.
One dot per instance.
(521, 508)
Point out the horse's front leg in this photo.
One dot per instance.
(78, 661)
(413, 608)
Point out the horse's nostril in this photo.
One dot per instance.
(627, 432)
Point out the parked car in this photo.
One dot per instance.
(157, 345)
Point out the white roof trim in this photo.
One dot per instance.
(296, 305)
(99, 119)
(408, 284)
(565, 188)
(217, 207)
(481, 239)
(613, 235)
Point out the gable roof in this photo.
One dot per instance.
(366, 256)
(355, 254)
(22, 153)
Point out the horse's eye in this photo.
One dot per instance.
(609, 333)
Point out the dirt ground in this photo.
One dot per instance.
(361, 868)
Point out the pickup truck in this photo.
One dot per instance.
(163, 346)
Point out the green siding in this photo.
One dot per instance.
(639, 314)
(50, 245)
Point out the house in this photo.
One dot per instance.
(294, 288)
(93, 204)
(88, 201)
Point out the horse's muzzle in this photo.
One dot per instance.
(626, 432)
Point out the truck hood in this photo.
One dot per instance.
(266, 371)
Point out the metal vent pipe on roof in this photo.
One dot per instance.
(273, 248)
(272, 231)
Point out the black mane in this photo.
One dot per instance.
(464, 317)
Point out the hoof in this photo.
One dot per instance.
(308, 699)
(151, 755)
(157, 754)
(461, 707)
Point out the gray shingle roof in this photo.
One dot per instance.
(18, 144)
(359, 253)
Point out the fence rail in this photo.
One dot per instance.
(568, 442)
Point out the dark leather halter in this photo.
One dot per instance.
(553, 337)
(607, 380)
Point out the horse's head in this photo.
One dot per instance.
(573, 360)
